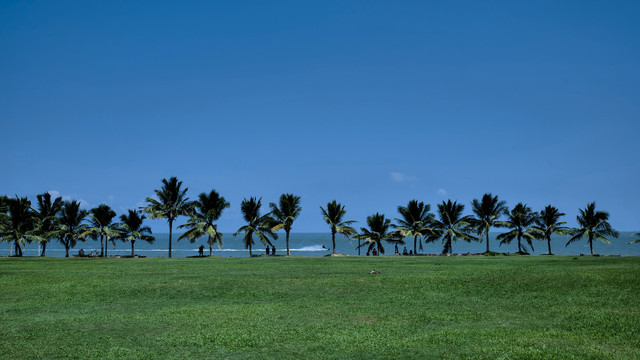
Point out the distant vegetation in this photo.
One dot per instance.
(66, 222)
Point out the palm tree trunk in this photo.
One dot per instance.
(101, 246)
(333, 241)
(288, 253)
(250, 254)
(211, 249)
(487, 234)
(66, 250)
(18, 249)
(415, 240)
(170, 233)
(106, 248)
(132, 242)
(549, 244)
(519, 247)
(591, 243)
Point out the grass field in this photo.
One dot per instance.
(520, 307)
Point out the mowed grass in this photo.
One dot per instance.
(520, 307)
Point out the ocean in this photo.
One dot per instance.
(311, 244)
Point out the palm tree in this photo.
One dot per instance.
(130, 229)
(593, 225)
(285, 215)
(379, 231)
(333, 216)
(548, 224)
(416, 221)
(48, 215)
(18, 224)
(172, 202)
(452, 225)
(101, 221)
(71, 226)
(520, 219)
(488, 211)
(262, 226)
(207, 210)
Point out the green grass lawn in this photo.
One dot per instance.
(520, 307)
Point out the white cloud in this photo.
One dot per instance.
(442, 192)
(401, 177)
(83, 203)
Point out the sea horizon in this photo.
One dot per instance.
(311, 244)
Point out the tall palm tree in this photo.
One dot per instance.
(101, 224)
(593, 225)
(48, 215)
(488, 211)
(171, 203)
(260, 225)
(452, 225)
(18, 224)
(377, 232)
(521, 219)
(286, 214)
(416, 221)
(130, 229)
(548, 224)
(333, 216)
(207, 210)
(71, 226)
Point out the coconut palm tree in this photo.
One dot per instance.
(521, 220)
(207, 210)
(452, 225)
(71, 226)
(548, 224)
(130, 229)
(18, 224)
(48, 215)
(593, 225)
(416, 221)
(333, 216)
(286, 214)
(171, 203)
(259, 225)
(101, 225)
(488, 211)
(377, 232)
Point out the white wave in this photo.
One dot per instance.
(311, 248)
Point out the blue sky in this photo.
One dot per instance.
(371, 103)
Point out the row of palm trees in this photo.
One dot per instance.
(65, 221)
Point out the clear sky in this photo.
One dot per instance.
(371, 103)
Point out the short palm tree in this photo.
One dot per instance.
(71, 227)
(171, 203)
(548, 224)
(416, 221)
(18, 225)
(333, 215)
(377, 232)
(286, 214)
(259, 225)
(452, 225)
(130, 229)
(521, 220)
(48, 215)
(488, 211)
(101, 225)
(207, 210)
(593, 225)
